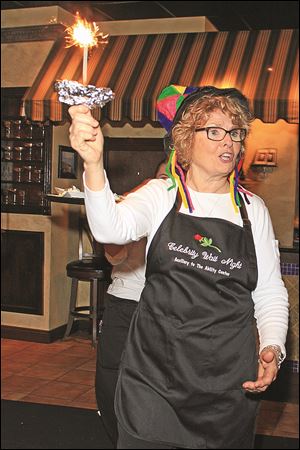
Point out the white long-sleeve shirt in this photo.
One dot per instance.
(128, 273)
(143, 211)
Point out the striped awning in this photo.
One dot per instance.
(263, 64)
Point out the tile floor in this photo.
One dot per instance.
(63, 372)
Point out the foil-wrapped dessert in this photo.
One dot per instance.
(74, 93)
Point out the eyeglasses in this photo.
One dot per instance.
(218, 133)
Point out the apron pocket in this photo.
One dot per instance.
(233, 357)
(148, 345)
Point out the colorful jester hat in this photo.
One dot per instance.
(171, 104)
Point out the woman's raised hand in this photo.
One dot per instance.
(85, 135)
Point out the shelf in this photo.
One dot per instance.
(22, 161)
(68, 200)
(32, 183)
(33, 140)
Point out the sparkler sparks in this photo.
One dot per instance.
(85, 35)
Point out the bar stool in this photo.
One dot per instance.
(95, 269)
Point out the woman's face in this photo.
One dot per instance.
(215, 158)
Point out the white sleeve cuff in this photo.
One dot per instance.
(91, 193)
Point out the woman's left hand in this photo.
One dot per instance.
(267, 373)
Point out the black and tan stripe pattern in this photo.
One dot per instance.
(262, 64)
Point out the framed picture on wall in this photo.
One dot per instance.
(265, 157)
(67, 162)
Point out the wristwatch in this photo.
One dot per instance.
(278, 353)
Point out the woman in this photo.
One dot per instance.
(190, 365)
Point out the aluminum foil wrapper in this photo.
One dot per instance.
(74, 93)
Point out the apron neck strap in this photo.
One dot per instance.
(243, 213)
(178, 201)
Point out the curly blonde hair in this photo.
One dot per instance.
(197, 114)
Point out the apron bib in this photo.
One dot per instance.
(192, 341)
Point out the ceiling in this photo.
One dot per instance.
(225, 16)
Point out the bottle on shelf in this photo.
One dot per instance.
(27, 174)
(7, 129)
(18, 174)
(19, 152)
(37, 175)
(12, 196)
(21, 197)
(8, 154)
(28, 151)
(16, 127)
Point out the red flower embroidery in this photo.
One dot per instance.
(198, 237)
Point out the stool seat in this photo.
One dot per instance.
(88, 268)
(97, 271)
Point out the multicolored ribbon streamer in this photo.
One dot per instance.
(177, 175)
(235, 188)
(168, 171)
(232, 195)
(185, 188)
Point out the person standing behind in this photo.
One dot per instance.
(123, 294)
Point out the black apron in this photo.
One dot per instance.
(192, 340)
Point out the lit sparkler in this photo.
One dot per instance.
(85, 35)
